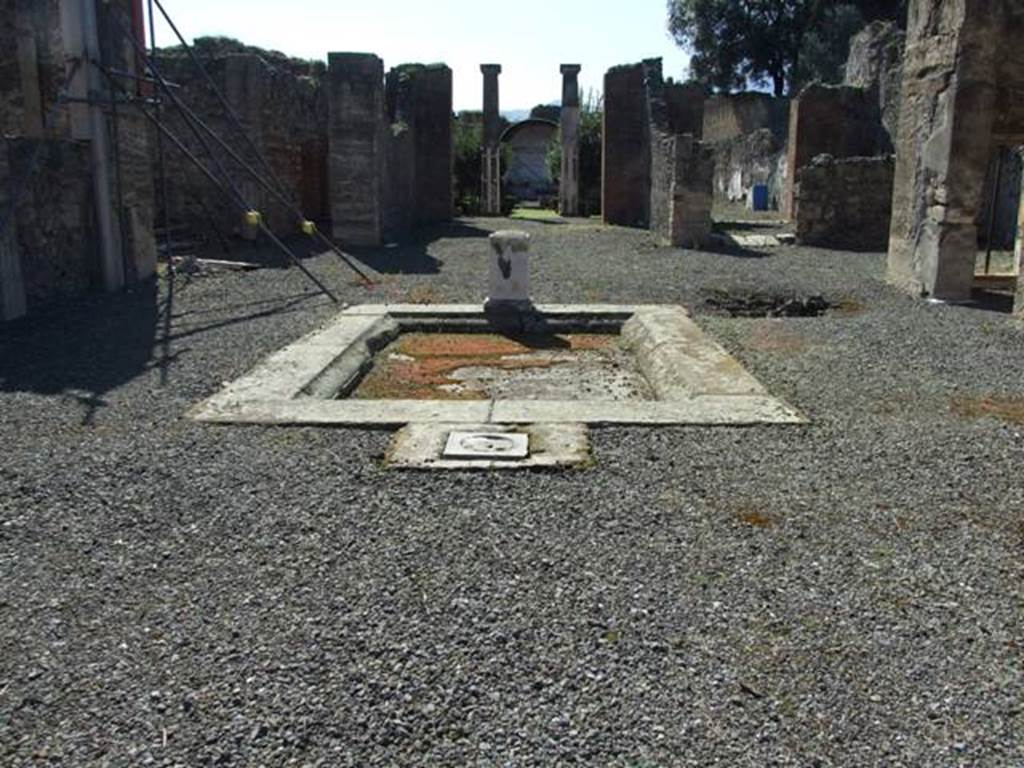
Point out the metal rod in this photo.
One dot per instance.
(232, 115)
(139, 78)
(276, 193)
(220, 185)
(176, 102)
(236, 121)
(162, 172)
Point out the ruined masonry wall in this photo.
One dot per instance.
(962, 88)
(841, 121)
(875, 64)
(692, 193)
(419, 152)
(744, 161)
(656, 174)
(432, 129)
(731, 116)
(662, 144)
(284, 113)
(56, 235)
(844, 203)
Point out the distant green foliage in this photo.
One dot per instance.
(546, 112)
(467, 138)
(219, 46)
(468, 165)
(824, 51)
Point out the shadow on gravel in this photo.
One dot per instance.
(724, 247)
(991, 301)
(82, 349)
(411, 255)
(264, 253)
(85, 348)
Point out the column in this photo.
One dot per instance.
(569, 133)
(491, 197)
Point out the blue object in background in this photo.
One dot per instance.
(759, 197)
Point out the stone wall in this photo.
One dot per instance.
(962, 95)
(32, 69)
(283, 110)
(836, 120)
(731, 116)
(12, 282)
(844, 203)
(685, 103)
(662, 144)
(748, 132)
(876, 65)
(1018, 306)
(379, 164)
(1007, 199)
(398, 182)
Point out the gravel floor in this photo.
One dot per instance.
(846, 593)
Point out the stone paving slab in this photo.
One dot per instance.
(420, 446)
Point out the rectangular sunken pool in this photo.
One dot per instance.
(494, 366)
(590, 364)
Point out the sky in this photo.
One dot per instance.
(529, 38)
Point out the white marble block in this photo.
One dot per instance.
(509, 269)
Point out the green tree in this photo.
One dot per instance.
(784, 43)
(467, 165)
(467, 140)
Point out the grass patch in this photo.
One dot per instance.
(535, 214)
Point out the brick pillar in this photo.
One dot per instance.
(491, 181)
(625, 180)
(355, 98)
(12, 284)
(569, 134)
(432, 126)
(947, 114)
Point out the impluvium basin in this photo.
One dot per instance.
(651, 364)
